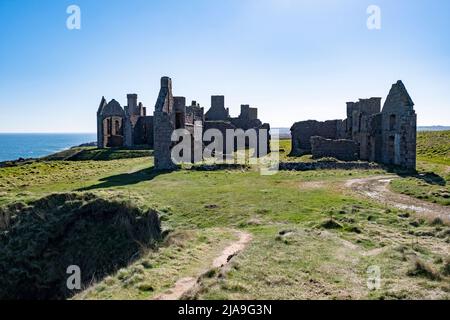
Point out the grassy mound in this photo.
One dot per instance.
(91, 153)
(434, 146)
(39, 241)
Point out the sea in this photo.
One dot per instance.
(35, 145)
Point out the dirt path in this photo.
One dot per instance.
(189, 284)
(377, 188)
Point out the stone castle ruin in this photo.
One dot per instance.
(118, 127)
(130, 126)
(385, 136)
(369, 133)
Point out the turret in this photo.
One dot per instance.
(132, 104)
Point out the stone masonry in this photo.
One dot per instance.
(172, 113)
(130, 126)
(123, 127)
(385, 136)
(342, 149)
(304, 130)
(164, 124)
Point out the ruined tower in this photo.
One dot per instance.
(387, 136)
(164, 124)
(130, 126)
(123, 127)
(217, 112)
(110, 124)
(399, 128)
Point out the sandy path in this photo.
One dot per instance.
(189, 284)
(377, 188)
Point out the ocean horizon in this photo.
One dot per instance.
(36, 145)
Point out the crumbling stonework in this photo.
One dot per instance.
(171, 113)
(303, 131)
(328, 165)
(387, 136)
(342, 149)
(164, 119)
(218, 117)
(217, 110)
(129, 126)
(123, 127)
(399, 128)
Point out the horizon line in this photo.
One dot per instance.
(93, 132)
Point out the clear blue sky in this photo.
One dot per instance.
(293, 59)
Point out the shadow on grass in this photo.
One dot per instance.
(148, 174)
(126, 179)
(430, 178)
(110, 154)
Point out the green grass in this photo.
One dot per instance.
(293, 255)
(182, 255)
(436, 192)
(38, 179)
(92, 153)
(434, 147)
(37, 245)
(433, 166)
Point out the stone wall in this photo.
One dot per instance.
(245, 124)
(135, 127)
(387, 137)
(327, 165)
(248, 113)
(346, 150)
(303, 131)
(194, 113)
(111, 121)
(399, 128)
(163, 128)
(143, 131)
(217, 111)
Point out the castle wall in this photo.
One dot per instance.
(143, 132)
(248, 113)
(399, 128)
(346, 150)
(193, 114)
(164, 125)
(217, 110)
(110, 124)
(303, 131)
(163, 128)
(386, 136)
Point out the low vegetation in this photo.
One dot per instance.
(312, 237)
(432, 182)
(92, 153)
(434, 147)
(41, 239)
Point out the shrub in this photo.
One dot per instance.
(421, 268)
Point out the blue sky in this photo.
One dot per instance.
(295, 60)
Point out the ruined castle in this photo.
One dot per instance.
(131, 126)
(385, 136)
(368, 133)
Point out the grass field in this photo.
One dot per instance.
(312, 237)
(433, 165)
(92, 153)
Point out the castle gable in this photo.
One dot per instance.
(113, 108)
(398, 99)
